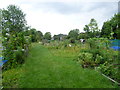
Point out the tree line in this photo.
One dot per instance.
(110, 30)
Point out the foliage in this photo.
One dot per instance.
(13, 19)
(106, 29)
(39, 36)
(14, 43)
(100, 49)
(72, 40)
(92, 29)
(35, 36)
(55, 68)
(11, 77)
(17, 39)
(110, 69)
(96, 43)
(86, 59)
(73, 34)
(47, 36)
(100, 55)
(83, 36)
(111, 28)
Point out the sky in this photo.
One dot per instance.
(61, 16)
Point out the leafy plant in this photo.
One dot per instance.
(101, 56)
(14, 42)
(110, 70)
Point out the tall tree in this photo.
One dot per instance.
(87, 30)
(0, 23)
(33, 34)
(92, 29)
(111, 28)
(13, 19)
(47, 36)
(39, 36)
(106, 29)
(118, 25)
(14, 42)
(73, 34)
(13, 25)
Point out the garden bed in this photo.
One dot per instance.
(102, 57)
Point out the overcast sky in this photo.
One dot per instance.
(61, 16)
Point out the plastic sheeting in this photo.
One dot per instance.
(115, 44)
(2, 61)
(115, 47)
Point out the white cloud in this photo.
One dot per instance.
(61, 19)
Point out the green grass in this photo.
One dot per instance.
(51, 68)
(11, 77)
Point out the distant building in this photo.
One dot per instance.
(62, 36)
(52, 38)
(59, 37)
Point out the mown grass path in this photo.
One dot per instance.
(44, 69)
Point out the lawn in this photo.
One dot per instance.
(53, 68)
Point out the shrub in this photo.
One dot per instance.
(98, 43)
(10, 78)
(86, 59)
(110, 70)
(72, 40)
(15, 48)
(99, 54)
